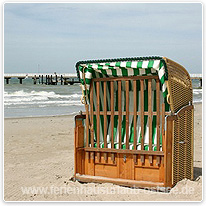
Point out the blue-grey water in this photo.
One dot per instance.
(27, 99)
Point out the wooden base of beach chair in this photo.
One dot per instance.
(119, 181)
(126, 169)
(139, 168)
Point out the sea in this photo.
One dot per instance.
(29, 100)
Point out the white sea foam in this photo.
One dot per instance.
(42, 98)
(197, 91)
(22, 93)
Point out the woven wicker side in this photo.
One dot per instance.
(183, 149)
(179, 86)
(180, 95)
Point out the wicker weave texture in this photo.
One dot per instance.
(179, 86)
(180, 95)
(183, 147)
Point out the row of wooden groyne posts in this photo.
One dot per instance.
(63, 79)
(48, 79)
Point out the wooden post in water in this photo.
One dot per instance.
(61, 79)
(7, 79)
(20, 79)
(56, 79)
(34, 79)
(42, 79)
(200, 82)
(65, 81)
(39, 79)
(46, 81)
(51, 80)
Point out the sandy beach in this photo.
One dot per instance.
(38, 153)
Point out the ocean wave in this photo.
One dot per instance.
(25, 99)
(22, 93)
(71, 102)
(197, 101)
(197, 91)
(50, 98)
(22, 97)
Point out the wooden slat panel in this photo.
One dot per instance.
(142, 158)
(150, 112)
(130, 113)
(98, 157)
(98, 115)
(87, 124)
(120, 112)
(135, 112)
(79, 135)
(112, 114)
(127, 114)
(163, 125)
(150, 159)
(125, 78)
(168, 154)
(87, 156)
(158, 113)
(105, 114)
(113, 157)
(185, 139)
(142, 112)
(135, 159)
(158, 160)
(142, 152)
(91, 114)
(105, 157)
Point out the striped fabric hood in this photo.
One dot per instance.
(124, 67)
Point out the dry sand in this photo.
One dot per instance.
(38, 152)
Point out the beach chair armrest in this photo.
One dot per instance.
(79, 131)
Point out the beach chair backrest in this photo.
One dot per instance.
(126, 113)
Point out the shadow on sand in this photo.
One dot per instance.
(197, 172)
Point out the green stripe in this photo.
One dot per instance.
(139, 64)
(117, 64)
(132, 127)
(114, 72)
(154, 118)
(124, 119)
(150, 64)
(128, 64)
(116, 116)
(145, 116)
(101, 103)
(136, 71)
(124, 72)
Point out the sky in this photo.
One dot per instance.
(52, 37)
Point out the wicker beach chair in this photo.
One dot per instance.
(138, 126)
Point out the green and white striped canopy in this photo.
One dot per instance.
(122, 68)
